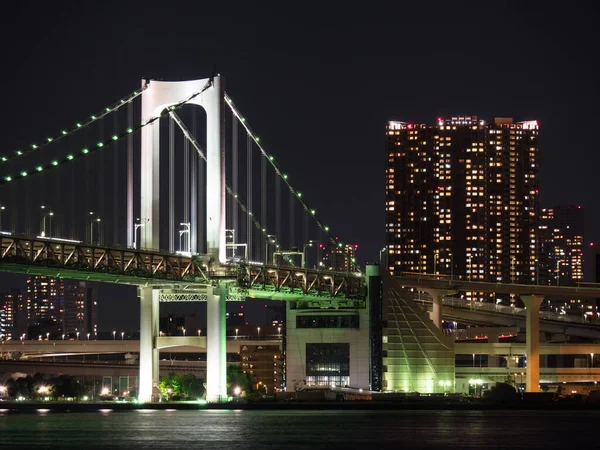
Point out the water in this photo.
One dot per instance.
(208, 429)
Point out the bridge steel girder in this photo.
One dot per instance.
(51, 254)
(301, 283)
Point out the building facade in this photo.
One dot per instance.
(338, 256)
(462, 199)
(45, 299)
(14, 308)
(79, 312)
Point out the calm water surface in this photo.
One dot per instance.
(300, 429)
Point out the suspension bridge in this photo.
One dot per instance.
(242, 233)
(171, 190)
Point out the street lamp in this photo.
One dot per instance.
(381, 252)
(63, 336)
(186, 230)
(92, 220)
(512, 270)
(122, 335)
(184, 331)
(310, 244)
(258, 332)
(77, 333)
(435, 257)
(470, 267)
(47, 336)
(114, 335)
(199, 332)
(88, 335)
(279, 331)
(270, 239)
(232, 232)
(48, 214)
(135, 228)
(236, 333)
(2, 208)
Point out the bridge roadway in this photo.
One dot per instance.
(175, 344)
(481, 313)
(186, 273)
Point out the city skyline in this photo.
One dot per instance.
(522, 90)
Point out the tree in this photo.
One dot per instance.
(236, 377)
(501, 393)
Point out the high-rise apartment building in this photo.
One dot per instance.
(80, 309)
(45, 299)
(337, 256)
(14, 308)
(462, 198)
(561, 245)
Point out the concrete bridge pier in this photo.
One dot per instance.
(532, 340)
(437, 296)
(149, 368)
(216, 344)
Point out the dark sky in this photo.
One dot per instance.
(318, 82)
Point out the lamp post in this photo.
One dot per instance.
(186, 230)
(199, 332)
(92, 220)
(470, 267)
(512, 270)
(2, 208)
(184, 331)
(49, 214)
(77, 333)
(381, 252)
(232, 233)
(122, 335)
(236, 333)
(258, 332)
(310, 244)
(435, 257)
(88, 335)
(135, 228)
(270, 239)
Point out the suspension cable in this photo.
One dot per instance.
(78, 126)
(71, 157)
(284, 177)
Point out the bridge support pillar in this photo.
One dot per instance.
(437, 297)
(216, 344)
(532, 343)
(149, 365)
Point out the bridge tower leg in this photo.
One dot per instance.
(216, 344)
(157, 96)
(149, 365)
(532, 340)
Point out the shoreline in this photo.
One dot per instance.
(104, 407)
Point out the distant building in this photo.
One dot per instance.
(462, 199)
(15, 313)
(45, 299)
(337, 256)
(79, 309)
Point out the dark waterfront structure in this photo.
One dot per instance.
(462, 199)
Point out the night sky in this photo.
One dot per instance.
(318, 83)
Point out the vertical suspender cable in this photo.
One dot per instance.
(172, 186)
(130, 175)
(249, 194)
(292, 230)
(234, 178)
(186, 181)
(101, 182)
(278, 208)
(305, 227)
(116, 237)
(263, 205)
(194, 173)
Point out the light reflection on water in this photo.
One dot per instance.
(299, 429)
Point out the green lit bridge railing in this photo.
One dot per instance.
(77, 260)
